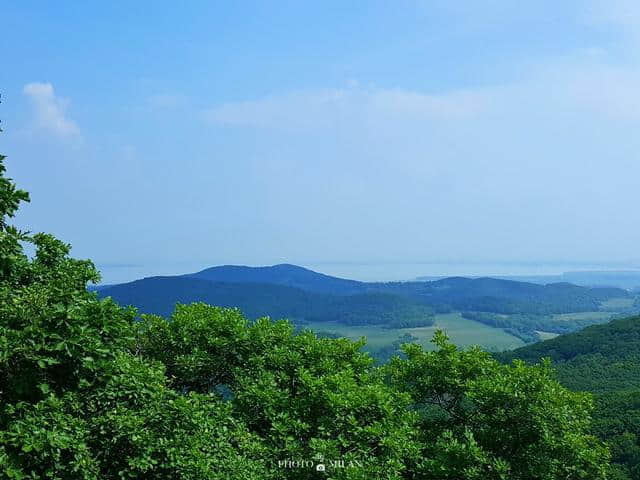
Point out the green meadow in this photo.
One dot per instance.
(546, 335)
(461, 331)
(614, 304)
(601, 316)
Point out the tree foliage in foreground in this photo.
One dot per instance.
(89, 392)
(480, 419)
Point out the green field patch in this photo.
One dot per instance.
(546, 335)
(593, 316)
(461, 331)
(616, 304)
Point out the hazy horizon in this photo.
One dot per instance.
(151, 134)
(372, 271)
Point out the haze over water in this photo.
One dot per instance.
(381, 271)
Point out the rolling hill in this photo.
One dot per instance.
(283, 274)
(504, 296)
(287, 291)
(159, 295)
(297, 285)
(627, 279)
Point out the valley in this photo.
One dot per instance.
(461, 331)
(496, 314)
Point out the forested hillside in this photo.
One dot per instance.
(303, 296)
(464, 294)
(159, 295)
(626, 279)
(604, 359)
(505, 296)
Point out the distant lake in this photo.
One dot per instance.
(383, 271)
(410, 271)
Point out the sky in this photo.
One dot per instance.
(157, 134)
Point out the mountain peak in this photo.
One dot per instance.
(281, 274)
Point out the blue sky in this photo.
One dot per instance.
(260, 132)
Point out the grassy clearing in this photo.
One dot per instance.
(614, 304)
(463, 332)
(595, 316)
(546, 335)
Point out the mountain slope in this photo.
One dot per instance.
(504, 296)
(160, 294)
(599, 358)
(288, 291)
(479, 294)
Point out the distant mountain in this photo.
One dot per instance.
(289, 291)
(626, 279)
(605, 360)
(629, 280)
(159, 295)
(283, 274)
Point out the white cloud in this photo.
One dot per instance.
(555, 151)
(594, 90)
(50, 111)
(167, 100)
(325, 108)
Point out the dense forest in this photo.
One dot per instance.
(159, 295)
(92, 390)
(504, 296)
(605, 360)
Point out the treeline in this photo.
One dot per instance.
(385, 354)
